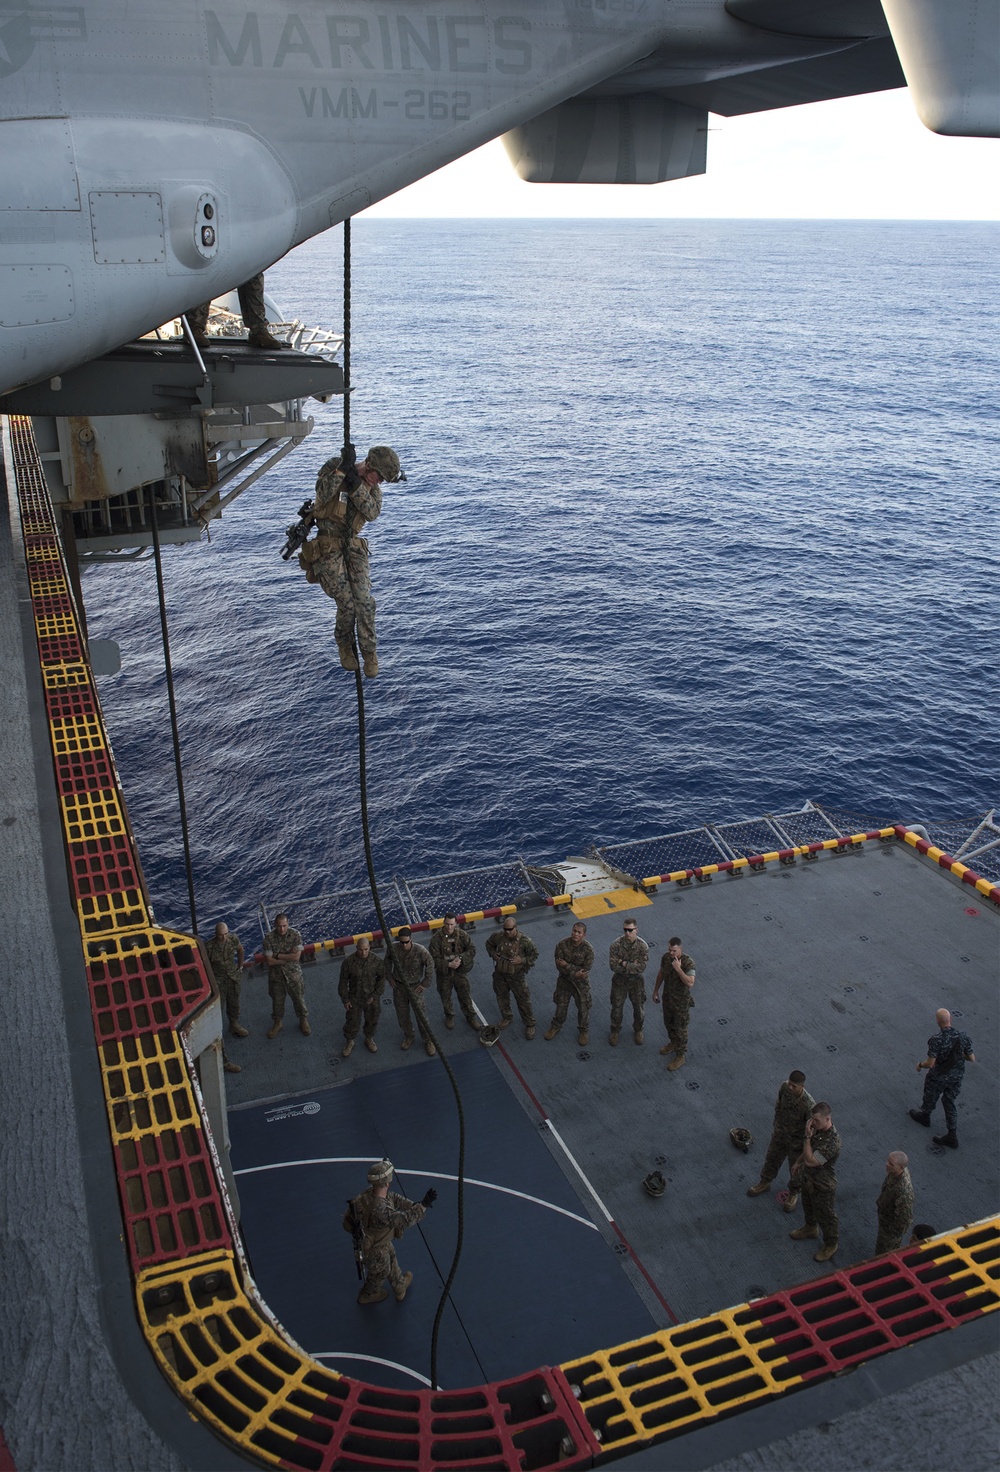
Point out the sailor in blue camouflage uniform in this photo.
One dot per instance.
(947, 1054)
(574, 961)
(362, 982)
(792, 1109)
(628, 957)
(375, 1218)
(453, 952)
(282, 950)
(337, 558)
(894, 1204)
(513, 955)
(820, 1149)
(417, 968)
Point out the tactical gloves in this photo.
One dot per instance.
(430, 1196)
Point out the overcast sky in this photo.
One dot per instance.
(855, 158)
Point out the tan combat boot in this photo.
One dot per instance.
(678, 1062)
(430, 1049)
(826, 1252)
(275, 1027)
(371, 1045)
(666, 1052)
(759, 1189)
(261, 338)
(371, 666)
(639, 1036)
(400, 1291)
(238, 1031)
(802, 1234)
(613, 1037)
(529, 1032)
(347, 657)
(583, 1039)
(552, 1032)
(348, 1048)
(304, 1027)
(791, 1201)
(379, 1297)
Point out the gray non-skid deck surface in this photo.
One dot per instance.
(835, 967)
(537, 1282)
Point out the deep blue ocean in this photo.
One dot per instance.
(699, 523)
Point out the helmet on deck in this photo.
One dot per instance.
(655, 1183)
(385, 461)
(741, 1138)
(380, 1173)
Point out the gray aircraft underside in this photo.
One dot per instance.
(153, 155)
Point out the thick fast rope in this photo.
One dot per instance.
(396, 969)
(175, 731)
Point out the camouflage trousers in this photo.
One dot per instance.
(675, 1020)
(819, 1202)
(778, 1151)
(279, 984)
(380, 1263)
(634, 988)
(508, 983)
(457, 981)
(403, 1003)
(947, 1090)
(890, 1237)
(252, 310)
(344, 577)
(229, 996)
(575, 991)
(371, 1011)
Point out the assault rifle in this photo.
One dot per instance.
(357, 1237)
(299, 530)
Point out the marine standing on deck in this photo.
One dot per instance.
(374, 1218)
(513, 955)
(676, 976)
(894, 1204)
(629, 957)
(820, 1149)
(947, 1054)
(282, 949)
(362, 982)
(453, 952)
(225, 954)
(574, 960)
(792, 1109)
(337, 558)
(417, 968)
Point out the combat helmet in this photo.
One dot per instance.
(655, 1183)
(741, 1138)
(380, 1172)
(386, 462)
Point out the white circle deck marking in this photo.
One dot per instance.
(434, 1175)
(371, 1359)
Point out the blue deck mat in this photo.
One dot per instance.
(537, 1283)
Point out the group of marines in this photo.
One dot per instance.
(803, 1132)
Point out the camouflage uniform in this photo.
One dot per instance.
(513, 957)
(442, 948)
(287, 977)
(946, 1086)
(252, 309)
(677, 1001)
(223, 957)
(629, 959)
(362, 982)
(819, 1185)
(788, 1135)
(342, 567)
(417, 968)
(894, 1205)
(382, 1219)
(571, 958)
